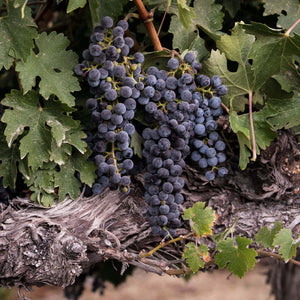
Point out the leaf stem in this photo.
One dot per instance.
(291, 28)
(276, 255)
(252, 128)
(180, 238)
(147, 20)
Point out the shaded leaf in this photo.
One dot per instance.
(288, 12)
(112, 8)
(17, 35)
(9, 157)
(264, 133)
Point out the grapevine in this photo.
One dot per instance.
(162, 140)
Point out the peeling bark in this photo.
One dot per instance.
(52, 246)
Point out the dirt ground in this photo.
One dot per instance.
(203, 286)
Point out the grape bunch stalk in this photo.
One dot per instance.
(174, 110)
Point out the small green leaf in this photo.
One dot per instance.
(265, 236)
(74, 4)
(288, 245)
(238, 259)
(186, 14)
(201, 218)
(54, 65)
(17, 35)
(194, 255)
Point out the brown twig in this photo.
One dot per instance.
(276, 255)
(147, 20)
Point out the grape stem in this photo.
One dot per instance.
(252, 128)
(163, 244)
(147, 20)
(276, 255)
(287, 34)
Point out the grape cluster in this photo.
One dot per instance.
(114, 78)
(180, 107)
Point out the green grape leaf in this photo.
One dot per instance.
(60, 154)
(201, 218)
(238, 259)
(9, 157)
(67, 182)
(209, 17)
(288, 78)
(263, 131)
(194, 255)
(112, 8)
(288, 11)
(265, 236)
(74, 4)
(183, 37)
(288, 112)
(94, 7)
(185, 13)
(43, 123)
(288, 245)
(235, 47)
(271, 51)
(54, 65)
(17, 35)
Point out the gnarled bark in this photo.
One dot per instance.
(40, 246)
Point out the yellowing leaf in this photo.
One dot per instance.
(202, 218)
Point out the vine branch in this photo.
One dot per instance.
(147, 20)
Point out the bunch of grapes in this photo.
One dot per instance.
(113, 77)
(180, 107)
